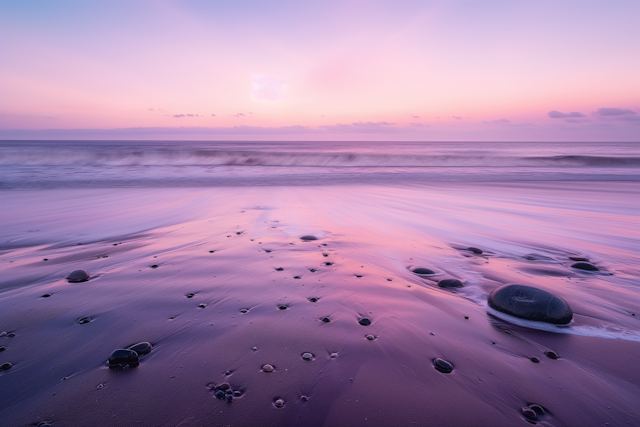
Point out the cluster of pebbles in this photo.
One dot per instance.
(129, 357)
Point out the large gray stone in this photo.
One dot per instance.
(527, 302)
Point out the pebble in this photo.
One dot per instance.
(84, 320)
(313, 299)
(279, 269)
(422, 271)
(536, 257)
(78, 276)
(154, 266)
(333, 355)
(328, 263)
(450, 283)
(474, 250)
(141, 348)
(365, 321)
(313, 270)
(537, 408)
(585, 266)
(122, 357)
(307, 356)
(202, 305)
(190, 295)
(296, 277)
(267, 368)
(244, 310)
(534, 359)
(279, 403)
(527, 302)
(224, 386)
(442, 365)
(2, 348)
(304, 398)
(46, 295)
(370, 337)
(211, 252)
(529, 413)
(326, 320)
(282, 307)
(5, 366)
(308, 237)
(551, 354)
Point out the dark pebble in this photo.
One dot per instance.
(2, 348)
(307, 356)
(84, 320)
(537, 408)
(551, 354)
(365, 321)
(313, 299)
(304, 398)
(530, 303)
(154, 266)
(244, 310)
(326, 320)
(227, 373)
(123, 357)
(282, 307)
(422, 271)
(536, 257)
(238, 232)
(585, 266)
(474, 250)
(220, 394)
(370, 337)
(229, 397)
(296, 277)
(78, 276)
(308, 237)
(328, 263)
(202, 305)
(579, 258)
(224, 386)
(442, 365)
(237, 393)
(11, 335)
(141, 348)
(46, 295)
(450, 283)
(313, 270)
(279, 269)
(279, 403)
(190, 295)
(529, 413)
(267, 250)
(325, 255)
(5, 366)
(267, 368)
(534, 359)
(46, 259)
(357, 275)
(211, 252)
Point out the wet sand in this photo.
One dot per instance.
(261, 295)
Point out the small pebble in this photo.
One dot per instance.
(365, 321)
(229, 396)
(237, 393)
(122, 357)
(46, 295)
(537, 408)
(325, 255)
(313, 299)
(78, 276)
(370, 337)
(84, 320)
(5, 366)
(313, 270)
(154, 266)
(11, 335)
(328, 263)
(224, 386)
(308, 237)
(534, 359)
(279, 269)
(243, 310)
(450, 283)
(307, 356)
(304, 398)
(211, 252)
(333, 355)
(585, 266)
(279, 403)
(46, 259)
(2, 348)
(422, 271)
(326, 320)
(474, 250)
(551, 354)
(254, 348)
(442, 365)
(296, 277)
(267, 368)
(529, 413)
(202, 305)
(190, 295)
(220, 394)
(227, 373)
(282, 307)
(141, 348)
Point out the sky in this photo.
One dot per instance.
(492, 70)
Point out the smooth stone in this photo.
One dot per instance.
(78, 276)
(2, 348)
(474, 250)
(220, 394)
(529, 413)
(224, 386)
(551, 354)
(141, 348)
(537, 408)
(313, 299)
(526, 302)
(279, 403)
(365, 321)
(267, 368)
(333, 355)
(244, 310)
(202, 305)
(537, 257)
(534, 359)
(450, 283)
(442, 365)
(282, 307)
(229, 397)
(123, 357)
(154, 266)
(296, 277)
(190, 295)
(6, 366)
(579, 258)
(237, 393)
(585, 266)
(422, 271)
(328, 263)
(307, 356)
(308, 237)
(84, 320)
(326, 320)
(279, 269)
(370, 337)
(46, 295)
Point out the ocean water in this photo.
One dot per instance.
(74, 164)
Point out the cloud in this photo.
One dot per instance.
(178, 115)
(413, 116)
(607, 112)
(213, 115)
(186, 115)
(237, 115)
(268, 88)
(362, 127)
(150, 109)
(497, 122)
(457, 117)
(419, 125)
(558, 115)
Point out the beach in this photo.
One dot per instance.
(223, 280)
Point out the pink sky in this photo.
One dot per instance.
(413, 70)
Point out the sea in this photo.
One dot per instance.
(87, 164)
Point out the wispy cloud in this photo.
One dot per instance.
(457, 117)
(413, 116)
(237, 115)
(186, 115)
(607, 112)
(361, 127)
(558, 115)
(497, 122)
